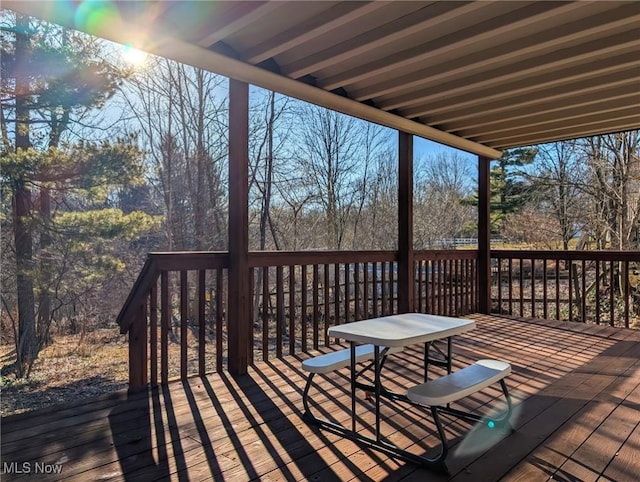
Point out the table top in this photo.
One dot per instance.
(401, 330)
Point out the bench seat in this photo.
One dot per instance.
(342, 358)
(457, 385)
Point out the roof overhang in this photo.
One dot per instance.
(479, 76)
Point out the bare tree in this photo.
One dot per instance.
(269, 152)
(556, 184)
(441, 183)
(613, 185)
(336, 153)
(180, 112)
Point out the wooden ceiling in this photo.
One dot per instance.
(481, 75)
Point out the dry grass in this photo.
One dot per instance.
(71, 368)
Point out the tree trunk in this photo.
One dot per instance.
(26, 344)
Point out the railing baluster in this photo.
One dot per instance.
(336, 293)
(327, 318)
(165, 320)
(316, 341)
(201, 323)
(375, 289)
(153, 333)
(597, 288)
(627, 296)
(292, 309)
(384, 289)
(570, 271)
(184, 324)
(392, 288)
(220, 306)
(521, 279)
(366, 294)
(303, 307)
(612, 287)
(533, 288)
(510, 287)
(347, 293)
(499, 268)
(584, 291)
(356, 291)
(544, 289)
(440, 283)
(280, 321)
(265, 313)
(457, 290)
(557, 289)
(433, 286)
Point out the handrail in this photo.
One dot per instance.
(596, 255)
(148, 277)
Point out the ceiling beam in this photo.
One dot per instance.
(162, 44)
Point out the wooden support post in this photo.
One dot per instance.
(484, 235)
(238, 314)
(138, 364)
(406, 274)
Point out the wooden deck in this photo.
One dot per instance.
(576, 390)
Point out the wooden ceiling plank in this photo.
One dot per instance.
(566, 134)
(460, 97)
(557, 98)
(222, 30)
(545, 116)
(473, 71)
(335, 17)
(525, 50)
(404, 27)
(495, 27)
(585, 124)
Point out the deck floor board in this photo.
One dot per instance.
(576, 391)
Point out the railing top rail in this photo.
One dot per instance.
(601, 255)
(189, 260)
(276, 258)
(438, 254)
(148, 275)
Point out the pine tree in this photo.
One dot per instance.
(51, 79)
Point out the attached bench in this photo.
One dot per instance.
(336, 360)
(439, 393)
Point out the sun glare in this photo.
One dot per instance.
(134, 57)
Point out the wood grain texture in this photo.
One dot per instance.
(576, 396)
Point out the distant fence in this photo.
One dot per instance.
(453, 243)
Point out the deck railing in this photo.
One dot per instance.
(598, 287)
(176, 313)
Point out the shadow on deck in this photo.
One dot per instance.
(576, 389)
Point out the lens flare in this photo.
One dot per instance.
(93, 16)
